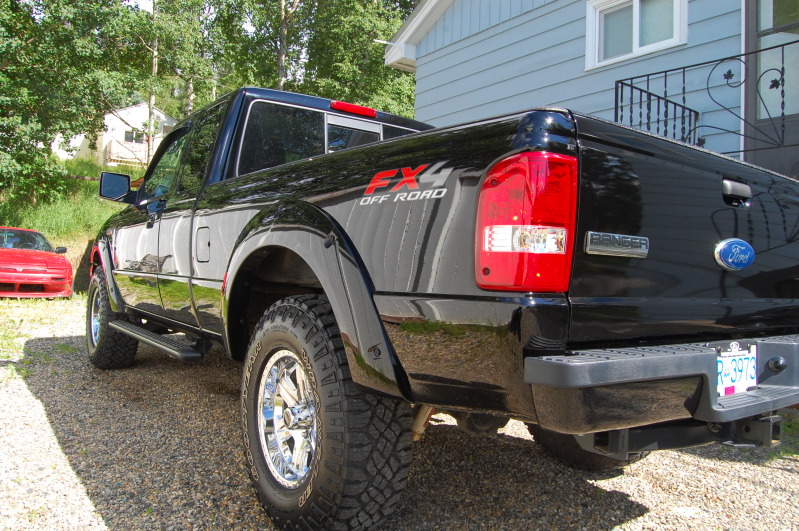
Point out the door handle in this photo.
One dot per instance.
(154, 209)
(736, 194)
(152, 217)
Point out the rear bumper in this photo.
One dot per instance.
(597, 390)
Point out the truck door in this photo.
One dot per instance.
(183, 300)
(273, 134)
(137, 260)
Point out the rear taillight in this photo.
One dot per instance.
(526, 219)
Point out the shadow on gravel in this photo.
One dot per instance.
(158, 446)
(789, 445)
(460, 481)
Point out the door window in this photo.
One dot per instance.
(163, 175)
(199, 152)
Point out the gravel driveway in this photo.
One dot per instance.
(158, 447)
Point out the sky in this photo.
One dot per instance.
(144, 5)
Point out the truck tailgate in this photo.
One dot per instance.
(659, 213)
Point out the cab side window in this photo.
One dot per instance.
(394, 132)
(340, 137)
(165, 171)
(278, 134)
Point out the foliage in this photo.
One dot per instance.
(355, 72)
(77, 215)
(63, 65)
(329, 47)
(267, 39)
(190, 50)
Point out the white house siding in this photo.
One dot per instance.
(484, 58)
(111, 146)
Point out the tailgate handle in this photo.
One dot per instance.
(735, 193)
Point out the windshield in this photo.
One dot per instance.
(23, 239)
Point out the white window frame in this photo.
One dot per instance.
(593, 18)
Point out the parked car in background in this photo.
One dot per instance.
(31, 267)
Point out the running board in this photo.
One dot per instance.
(174, 347)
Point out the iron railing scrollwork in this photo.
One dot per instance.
(689, 103)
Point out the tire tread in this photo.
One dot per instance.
(378, 429)
(114, 350)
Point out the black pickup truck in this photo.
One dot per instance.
(616, 291)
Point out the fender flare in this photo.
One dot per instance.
(103, 252)
(316, 238)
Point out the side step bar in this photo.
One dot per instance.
(174, 347)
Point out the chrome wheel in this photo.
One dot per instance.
(94, 317)
(287, 423)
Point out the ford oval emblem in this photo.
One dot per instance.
(734, 254)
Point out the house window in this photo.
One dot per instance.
(777, 24)
(618, 30)
(134, 136)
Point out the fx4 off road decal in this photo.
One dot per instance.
(407, 184)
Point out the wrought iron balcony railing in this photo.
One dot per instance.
(703, 103)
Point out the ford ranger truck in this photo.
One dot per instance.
(617, 292)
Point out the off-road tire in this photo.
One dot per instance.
(564, 448)
(356, 446)
(107, 348)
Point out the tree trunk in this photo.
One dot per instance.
(282, 44)
(189, 96)
(151, 102)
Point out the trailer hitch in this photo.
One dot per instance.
(763, 431)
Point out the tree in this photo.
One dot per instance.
(63, 65)
(191, 48)
(325, 48)
(345, 62)
(267, 39)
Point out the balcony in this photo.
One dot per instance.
(745, 106)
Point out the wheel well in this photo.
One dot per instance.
(265, 277)
(94, 261)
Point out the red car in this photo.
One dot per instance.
(29, 267)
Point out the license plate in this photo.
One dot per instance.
(737, 370)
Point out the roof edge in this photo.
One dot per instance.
(401, 51)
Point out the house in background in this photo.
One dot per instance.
(722, 74)
(123, 141)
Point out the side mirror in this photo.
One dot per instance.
(60, 250)
(115, 186)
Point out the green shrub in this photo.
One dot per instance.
(70, 211)
(90, 168)
(76, 215)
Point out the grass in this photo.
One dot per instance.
(75, 216)
(789, 435)
(8, 337)
(71, 220)
(17, 359)
(78, 215)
